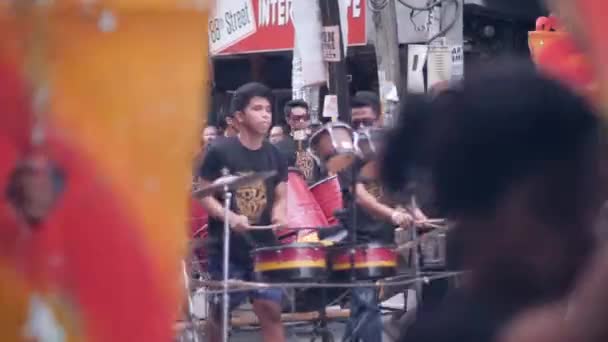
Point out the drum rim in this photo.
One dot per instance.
(288, 246)
(328, 126)
(323, 181)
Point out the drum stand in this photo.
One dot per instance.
(193, 320)
(226, 264)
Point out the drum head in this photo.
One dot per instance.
(333, 146)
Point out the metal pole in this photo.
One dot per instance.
(226, 306)
(338, 83)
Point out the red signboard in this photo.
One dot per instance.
(275, 31)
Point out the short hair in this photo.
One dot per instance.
(497, 129)
(364, 99)
(243, 95)
(294, 104)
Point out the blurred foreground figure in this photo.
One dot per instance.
(580, 319)
(514, 164)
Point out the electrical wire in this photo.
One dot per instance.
(378, 5)
(450, 25)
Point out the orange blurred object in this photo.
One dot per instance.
(586, 20)
(119, 87)
(556, 53)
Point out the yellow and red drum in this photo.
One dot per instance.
(292, 262)
(371, 261)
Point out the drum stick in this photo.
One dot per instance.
(268, 227)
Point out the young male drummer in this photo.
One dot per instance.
(294, 146)
(261, 203)
(376, 222)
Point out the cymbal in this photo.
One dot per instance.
(232, 182)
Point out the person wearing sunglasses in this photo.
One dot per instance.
(294, 146)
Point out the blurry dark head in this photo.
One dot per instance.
(365, 109)
(277, 133)
(513, 158)
(252, 108)
(297, 115)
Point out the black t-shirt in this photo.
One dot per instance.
(369, 228)
(296, 153)
(254, 201)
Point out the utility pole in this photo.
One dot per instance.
(338, 83)
(386, 44)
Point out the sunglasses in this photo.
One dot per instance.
(300, 118)
(363, 123)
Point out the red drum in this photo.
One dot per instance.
(303, 211)
(198, 231)
(333, 146)
(329, 197)
(371, 261)
(293, 262)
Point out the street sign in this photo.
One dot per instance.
(231, 22)
(273, 27)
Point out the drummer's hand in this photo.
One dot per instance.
(239, 223)
(402, 219)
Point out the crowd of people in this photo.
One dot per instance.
(510, 157)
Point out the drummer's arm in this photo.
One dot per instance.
(213, 207)
(279, 209)
(372, 206)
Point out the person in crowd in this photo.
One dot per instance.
(261, 203)
(277, 134)
(228, 125)
(377, 218)
(514, 162)
(207, 136)
(294, 146)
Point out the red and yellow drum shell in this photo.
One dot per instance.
(294, 262)
(371, 261)
(329, 197)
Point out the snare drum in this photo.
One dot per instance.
(371, 261)
(289, 263)
(333, 146)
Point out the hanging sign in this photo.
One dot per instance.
(231, 22)
(273, 28)
(331, 44)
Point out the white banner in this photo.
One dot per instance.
(331, 44)
(230, 22)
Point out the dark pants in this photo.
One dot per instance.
(365, 322)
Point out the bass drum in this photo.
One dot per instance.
(303, 211)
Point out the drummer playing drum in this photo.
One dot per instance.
(261, 203)
(376, 222)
